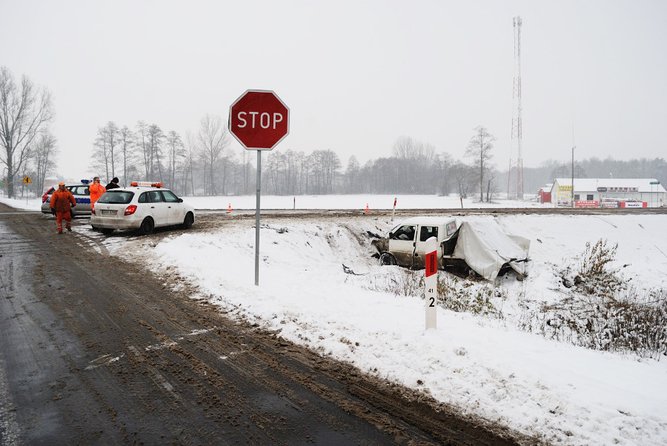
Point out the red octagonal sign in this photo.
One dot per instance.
(259, 120)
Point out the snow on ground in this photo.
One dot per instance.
(301, 202)
(557, 392)
(357, 202)
(28, 204)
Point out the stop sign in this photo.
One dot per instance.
(258, 119)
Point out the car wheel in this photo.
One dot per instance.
(189, 220)
(387, 259)
(147, 226)
(107, 231)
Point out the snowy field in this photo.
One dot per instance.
(486, 366)
(329, 202)
(357, 202)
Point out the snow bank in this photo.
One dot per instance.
(554, 391)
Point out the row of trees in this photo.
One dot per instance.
(27, 147)
(204, 165)
(201, 163)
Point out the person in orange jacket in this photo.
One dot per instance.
(62, 202)
(96, 191)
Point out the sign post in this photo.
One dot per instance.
(431, 282)
(655, 183)
(26, 180)
(259, 120)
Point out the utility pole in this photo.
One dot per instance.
(572, 191)
(509, 178)
(573, 147)
(517, 125)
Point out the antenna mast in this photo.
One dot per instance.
(516, 105)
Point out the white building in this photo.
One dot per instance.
(609, 192)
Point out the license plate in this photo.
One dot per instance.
(108, 212)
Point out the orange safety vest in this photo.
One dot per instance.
(96, 191)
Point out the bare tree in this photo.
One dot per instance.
(155, 139)
(463, 176)
(100, 159)
(106, 145)
(112, 135)
(324, 166)
(352, 175)
(176, 152)
(444, 164)
(407, 148)
(43, 158)
(212, 140)
(127, 141)
(479, 148)
(191, 145)
(142, 132)
(491, 187)
(24, 111)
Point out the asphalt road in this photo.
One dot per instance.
(94, 350)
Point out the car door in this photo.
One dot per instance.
(402, 244)
(82, 197)
(174, 208)
(425, 233)
(158, 208)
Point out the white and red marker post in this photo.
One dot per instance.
(431, 282)
(394, 210)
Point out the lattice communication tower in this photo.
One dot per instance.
(517, 129)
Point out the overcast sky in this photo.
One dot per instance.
(356, 75)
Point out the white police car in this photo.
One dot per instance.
(143, 206)
(81, 194)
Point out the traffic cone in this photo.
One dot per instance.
(366, 209)
(229, 208)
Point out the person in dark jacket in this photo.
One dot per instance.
(113, 184)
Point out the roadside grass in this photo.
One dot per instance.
(598, 308)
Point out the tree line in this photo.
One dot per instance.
(27, 146)
(201, 162)
(204, 165)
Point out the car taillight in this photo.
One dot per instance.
(131, 209)
(92, 211)
(44, 198)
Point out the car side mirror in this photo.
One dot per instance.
(180, 200)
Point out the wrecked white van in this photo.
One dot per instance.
(406, 243)
(483, 246)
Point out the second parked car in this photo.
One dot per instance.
(142, 206)
(81, 195)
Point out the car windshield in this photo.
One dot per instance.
(116, 197)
